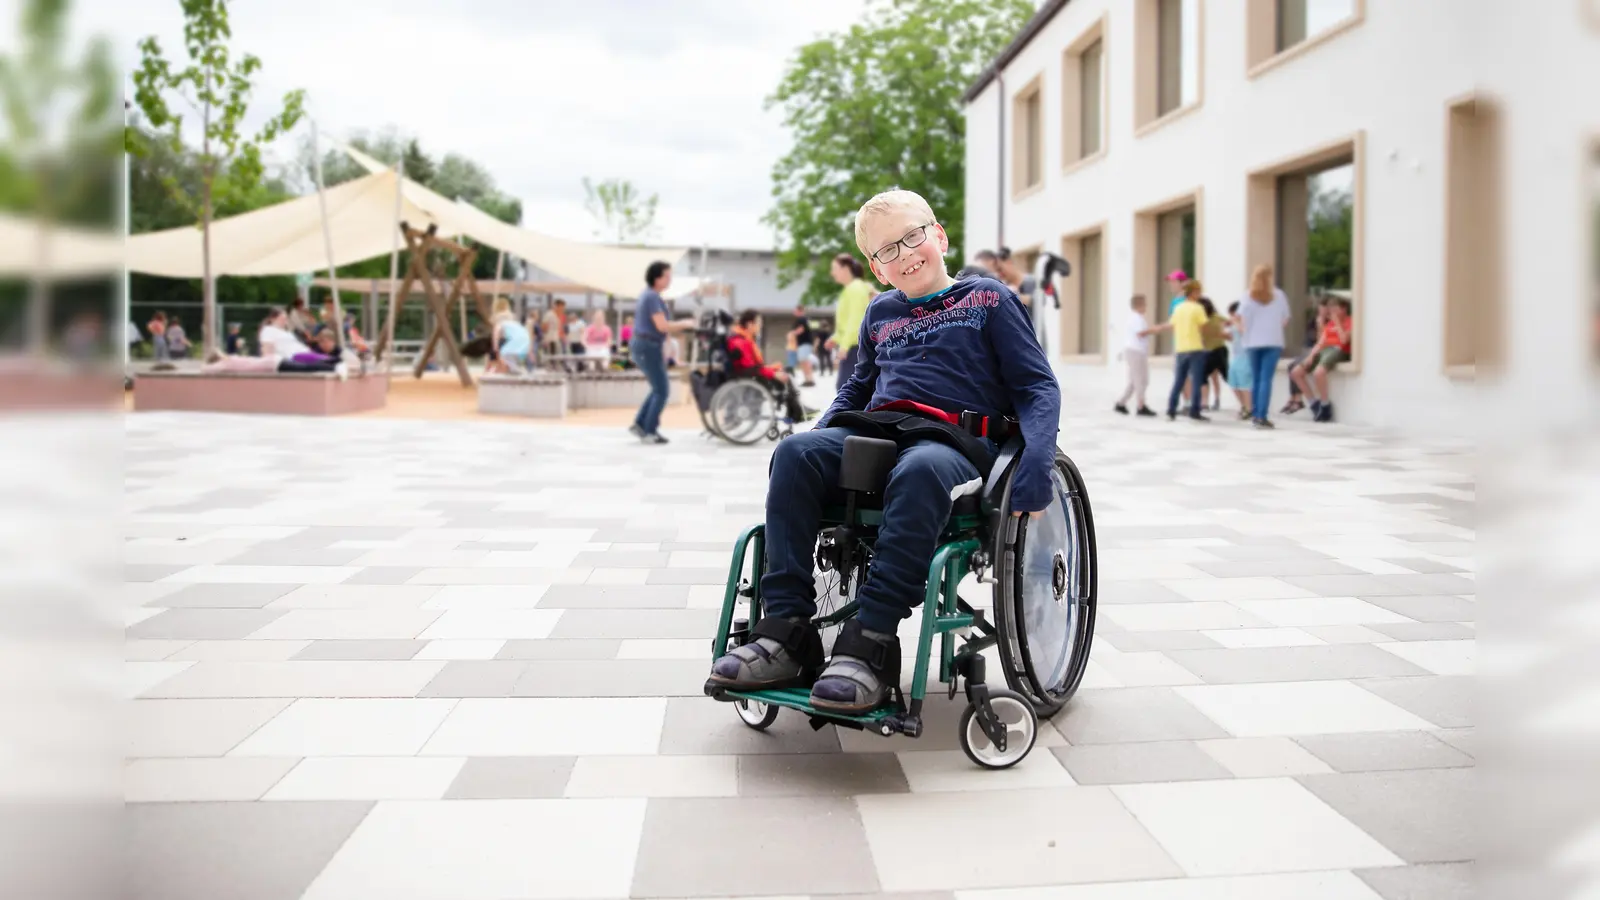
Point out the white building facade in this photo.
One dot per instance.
(1138, 136)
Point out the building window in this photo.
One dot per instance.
(1594, 246)
(1083, 309)
(1281, 29)
(1083, 96)
(1304, 219)
(1472, 286)
(1028, 137)
(1166, 238)
(1167, 77)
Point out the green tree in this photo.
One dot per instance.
(57, 163)
(875, 107)
(621, 212)
(218, 89)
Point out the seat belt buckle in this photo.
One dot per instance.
(974, 424)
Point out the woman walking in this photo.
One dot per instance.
(651, 328)
(848, 313)
(1263, 315)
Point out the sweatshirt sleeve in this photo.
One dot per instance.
(858, 390)
(1037, 397)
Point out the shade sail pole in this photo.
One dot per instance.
(327, 239)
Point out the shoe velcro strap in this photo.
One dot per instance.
(877, 654)
(787, 632)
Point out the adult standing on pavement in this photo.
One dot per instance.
(1263, 314)
(849, 312)
(650, 330)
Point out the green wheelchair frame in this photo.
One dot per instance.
(999, 726)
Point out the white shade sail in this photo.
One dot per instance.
(28, 249)
(285, 238)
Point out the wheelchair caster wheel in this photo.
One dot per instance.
(1013, 713)
(756, 714)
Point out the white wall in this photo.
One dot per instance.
(1389, 77)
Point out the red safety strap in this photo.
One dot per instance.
(933, 411)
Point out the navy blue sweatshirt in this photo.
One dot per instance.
(968, 347)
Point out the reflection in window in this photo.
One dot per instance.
(1089, 75)
(1178, 59)
(1299, 20)
(1594, 248)
(1174, 250)
(1091, 308)
(1316, 215)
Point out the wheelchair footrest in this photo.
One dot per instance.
(888, 719)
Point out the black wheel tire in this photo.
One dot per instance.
(1015, 660)
(1004, 703)
(751, 713)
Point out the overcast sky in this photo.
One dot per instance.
(542, 93)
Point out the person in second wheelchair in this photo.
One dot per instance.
(930, 350)
(745, 361)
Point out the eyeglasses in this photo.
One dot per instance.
(913, 239)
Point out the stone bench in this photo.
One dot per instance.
(540, 395)
(281, 393)
(618, 390)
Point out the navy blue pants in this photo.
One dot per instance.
(648, 356)
(1193, 367)
(805, 479)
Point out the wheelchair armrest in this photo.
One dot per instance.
(1010, 451)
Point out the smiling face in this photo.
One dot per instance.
(918, 271)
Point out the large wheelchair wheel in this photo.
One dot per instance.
(743, 411)
(1045, 594)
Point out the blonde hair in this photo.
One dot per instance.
(887, 202)
(1191, 288)
(502, 309)
(1261, 282)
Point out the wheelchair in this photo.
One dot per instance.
(1044, 581)
(740, 410)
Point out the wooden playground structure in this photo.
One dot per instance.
(426, 247)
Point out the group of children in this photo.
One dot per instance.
(1210, 347)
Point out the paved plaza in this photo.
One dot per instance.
(375, 658)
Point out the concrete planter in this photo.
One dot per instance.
(617, 390)
(292, 394)
(538, 396)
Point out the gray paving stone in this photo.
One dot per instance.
(1426, 815)
(1422, 585)
(289, 556)
(475, 678)
(222, 596)
(1138, 641)
(242, 851)
(511, 778)
(1259, 665)
(612, 678)
(637, 623)
(1444, 700)
(147, 572)
(621, 559)
(1363, 585)
(799, 775)
(1436, 881)
(687, 576)
(560, 648)
(675, 859)
(1384, 751)
(204, 624)
(352, 649)
(1138, 592)
(1429, 608)
(1425, 631)
(1155, 761)
(1127, 715)
(615, 596)
(1275, 568)
(697, 726)
(383, 575)
(1424, 566)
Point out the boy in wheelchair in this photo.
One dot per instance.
(744, 361)
(930, 349)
